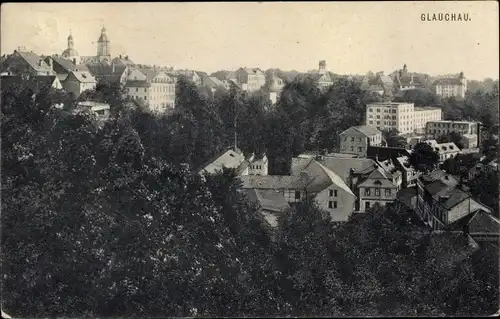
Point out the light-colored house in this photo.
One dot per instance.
(155, 88)
(79, 81)
(275, 87)
(409, 173)
(358, 174)
(235, 159)
(355, 140)
(377, 188)
(250, 79)
(445, 150)
(309, 179)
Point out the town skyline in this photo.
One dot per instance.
(353, 38)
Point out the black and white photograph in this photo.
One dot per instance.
(249, 159)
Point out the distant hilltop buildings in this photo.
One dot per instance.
(103, 50)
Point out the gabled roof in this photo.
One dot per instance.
(364, 130)
(34, 61)
(66, 64)
(123, 61)
(149, 73)
(269, 200)
(342, 166)
(252, 70)
(82, 76)
(230, 159)
(134, 83)
(377, 178)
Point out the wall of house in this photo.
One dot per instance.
(353, 144)
(72, 85)
(344, 201)
(259, 167)
(381, 197)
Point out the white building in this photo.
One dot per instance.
(452, 87)
(404, 117)
(445, 150)
(155, 88)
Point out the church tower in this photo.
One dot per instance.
(70, 53)
(103, 53)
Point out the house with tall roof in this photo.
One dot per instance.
(356, 139)
(358, 174)
(250, 79)
(213, 84)
(25, 63)
(444, 150)
(309, 178)
(451, 86)
(441, 202)
(79, 81)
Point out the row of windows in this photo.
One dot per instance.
(256, 167)
(385, 123)
(360, 149)
(332, 204)
(368, 192)
(333, 193)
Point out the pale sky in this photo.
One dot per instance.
(353, 37)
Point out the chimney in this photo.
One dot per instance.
(49, 61)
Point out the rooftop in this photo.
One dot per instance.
(364, 130)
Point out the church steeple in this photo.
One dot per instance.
(70, 40)
(103, 52)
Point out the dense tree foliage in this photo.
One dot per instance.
(452, 137)
(424, 157)
(111, 219)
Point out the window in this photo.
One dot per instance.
(360, 149)
(367, 192)
(378, 116)
(297, 194)
(330, 204)
(331, 192)
(352, 149)
(370, 110)
(137, 89)
(377, 191)
(335, 204)
(388, 192)
(378, 110)
(335, 192)
(371, 122)
(352, 139)
(367, 205)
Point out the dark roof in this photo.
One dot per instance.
(447, 195)
(269, 200)
(66, 64)
(34, 61)
(479, 221)
(384, 153)
(133, 83)
(438, 175)
(35, 83)
(365, 130)
(343, 166)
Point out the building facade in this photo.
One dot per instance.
(452, 87)
(155, 88)
(422, 115)
(437, 128)
(356, 139)
(250, 79)
(79, 81)
(403, 117)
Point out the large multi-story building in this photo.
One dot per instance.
(422, 115)
(356, 139)
(386, 116)
(403, 117)
(437, 128)
(452, 87)
(155, 88)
